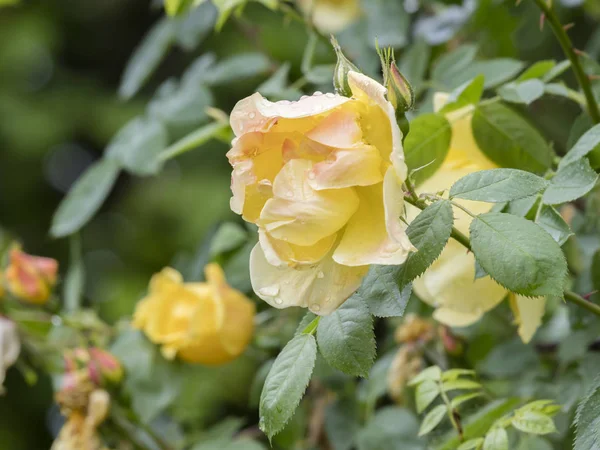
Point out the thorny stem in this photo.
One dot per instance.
(454, 418)
(567, 46)
(464, 240)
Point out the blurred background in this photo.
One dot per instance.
(61, 69)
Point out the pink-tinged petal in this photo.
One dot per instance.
(339, 129)
(300, 215)
(384, 134)
(346, 167)
(322, 287)
(256, 113)
(283, 254)
(366, 239)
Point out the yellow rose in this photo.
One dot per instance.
(331, 16)
(322, 178)
(208, 323)
(449, 284)
(31, 278)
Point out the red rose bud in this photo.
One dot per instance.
(342, 68)
(31, 278)
(109, 367)
(451, 343)
(400, 92)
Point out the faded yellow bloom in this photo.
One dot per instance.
(31, 278)
(331, 16)
(208, 323)
(407, 364)
(449, 284)
(528, 314)
(322, 178)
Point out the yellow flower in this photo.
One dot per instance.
(31, 278)
(207, 323)
(331, 16)
(322, 178)
(449, 284)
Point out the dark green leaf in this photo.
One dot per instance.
(518, 254)
(391, 428)
(382, 293)
(572, 181)
(508, 140)
(346, 338)
(497, 185)
(85, 198)
(342, 424)
(551, 221)
(587, 420)
(286, 383)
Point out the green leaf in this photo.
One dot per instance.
(572, 181)
(382, 293)
(286, 383)
(453, 374)
(498, 185)
(391, 428)
(525, 92)
(180, 104)
(533, 422)
(277, 86)
(518, 254)
(551, 221)
(508, 140)
(238, 67)
(228, 237)
(587, 420)
(556, 71)
(432, 419)
(449, 68)
(426, 392)
(460, 399)
(537, 70)
(146, 57)
(587, 143)
(195, 26)
(496, 439)
(75, 278)
(468, 93)
(495, 71)
(387, 23)
(427, 144)
(414, 62)
(460, 384)
(346, 338)
(471, 444)
(433, 373)
(342, 424)
(137, 146)
(85, 198)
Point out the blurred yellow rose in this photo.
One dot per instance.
(208, 323)
(30, 278)
(449, 284)
(331, 16)
(322, 178)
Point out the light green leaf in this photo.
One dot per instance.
(387, 23)
(546, 407)
(498, 185)
(533, 422)
(382, 293)
(85, 198)
(587, 143)
(238, 67)
(556, 71)
(146, 57)
(277, 86)
(471, 444)
(228, 237)
(433, 373)
(346, 338)
(572, 181)
(496, 439)
(453, 374)
(518, 254)
(460, 399)
(286, 383)
(452, 385)
(551, 221)
(537, 70)
(432, 419)
(137, 146)
(75, 278)
(495, 71)
(195, 26)
(521, 207)
(449, 68)
(180, 104)
(525, 92)
(426, 392)
(468, 93)
(509, 140)
(427, 144)
(587, 420)
(414, 62)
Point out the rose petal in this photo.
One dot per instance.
(321, 287)
(281, 253)
(339, 129)
(528, 314)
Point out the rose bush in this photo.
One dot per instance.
(322, 179)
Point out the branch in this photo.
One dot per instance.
(567, 46)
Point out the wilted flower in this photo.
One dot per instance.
(414, 329)
(10, 346)
(208, 323)
(31, 278)
(322, 178)
(407, 363)
(100, 366)
(449, 284)
(331, 16)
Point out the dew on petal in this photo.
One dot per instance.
(252, 115)
(317, 93)
(269, 291)
(330, 95)
(320, 274)
(316, 307)
(279, 301)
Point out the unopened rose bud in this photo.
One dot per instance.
(451, 343)
(109, 367)
(400, 92)
(31, 278)
(342, 68)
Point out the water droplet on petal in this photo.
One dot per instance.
(316, 307)
(269, 291)
(317, 93)
(311, 175)
(279, 301)
(252, 115)
(330, 95)
(320, 274)
(303, 97)
(289, 194)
